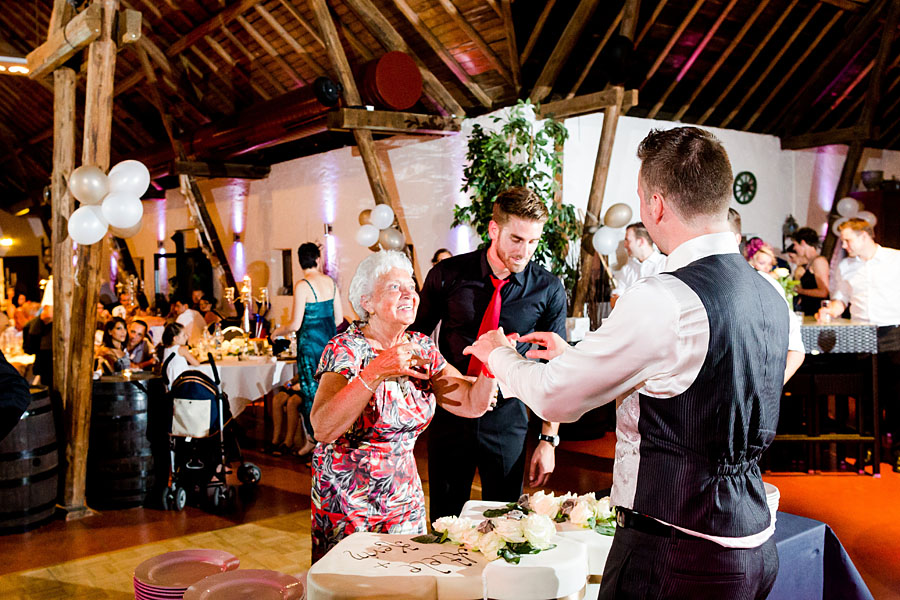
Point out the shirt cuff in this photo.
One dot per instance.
(499, 362)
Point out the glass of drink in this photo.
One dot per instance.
(824, 316)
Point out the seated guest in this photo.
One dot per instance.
(814, 277)
(24, 313)
(139, 349)
(644, 260)
(869, 281)
(174, 345)
(194, 324)
(439, 255)
(210, 315)
(111, 354)
(37, 339)
(377, 392)
(288, 402)
(15, 398)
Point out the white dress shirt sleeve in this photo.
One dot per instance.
(842, 290)
(656, 338)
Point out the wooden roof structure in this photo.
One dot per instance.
(811, 71)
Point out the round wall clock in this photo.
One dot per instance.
(744, 187)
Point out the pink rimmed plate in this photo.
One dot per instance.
(258, 584)
(175, 571)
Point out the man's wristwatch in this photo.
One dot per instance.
(552, 439)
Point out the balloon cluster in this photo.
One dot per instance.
(108, 202)
(375, 228)
(850, 208)
(606, 239)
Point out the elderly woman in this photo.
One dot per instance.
(378, 385)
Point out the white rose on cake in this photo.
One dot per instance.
(538, 529)
(490, 544)
(459, 529)
(581, 513)
(443, 524)
(544, 504)
(510, 530)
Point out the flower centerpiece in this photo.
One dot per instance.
(788, 283)
(508, 536)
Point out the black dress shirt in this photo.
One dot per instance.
(458, 290)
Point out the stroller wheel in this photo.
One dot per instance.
(165, 498)
(179, 498)
(249, 474)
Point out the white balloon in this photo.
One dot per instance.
(127, 232)
(367, 235)
(88, 184)
(122, 210)
(605, 240)
(129, 177)
(868, 216)
(848, 207)
(87, 225)
(382, 216)
(838, 223)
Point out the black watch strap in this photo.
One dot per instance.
(552, 439)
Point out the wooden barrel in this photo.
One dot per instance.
(29, 467)
(392, 81)
(120, 461)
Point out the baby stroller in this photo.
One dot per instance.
(201, 443)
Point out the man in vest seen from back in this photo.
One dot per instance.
(694, 358)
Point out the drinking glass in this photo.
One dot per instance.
(824, 317)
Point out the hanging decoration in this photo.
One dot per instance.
(376, 229)
(109, 203)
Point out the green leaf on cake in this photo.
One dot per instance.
(509, 556)
(606, 528)
(430, 538)
(499, 512)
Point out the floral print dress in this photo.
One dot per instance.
(367, 480)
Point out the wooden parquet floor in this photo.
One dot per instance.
(279, 543)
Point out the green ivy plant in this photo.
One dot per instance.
(521, 152)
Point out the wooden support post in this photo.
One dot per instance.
(854, 155)
(351, 97)
(61, 208)
(64, 43)
(392, 122)
(595, 199)
(97, 131)
(563, 49)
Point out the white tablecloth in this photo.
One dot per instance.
(246, 380)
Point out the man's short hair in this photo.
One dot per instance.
(308, 254)
(640, 232)
(734, 221)
(857, 225)
(808, 235)
(519, 202)
(690, 168)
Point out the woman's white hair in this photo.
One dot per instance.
(368, 272)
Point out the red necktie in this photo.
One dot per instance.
(489, 322)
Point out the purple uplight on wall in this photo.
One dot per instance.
(237, 259)
(329, 264)
(461, 240)
(161, 221)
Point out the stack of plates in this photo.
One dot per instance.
(168, 576)
(772, 497)
(257, 584)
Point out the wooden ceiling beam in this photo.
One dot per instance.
(672, 40)
(495, 7)
(894, 82)
(476, 38)
(708, 75)
(536, 31)
(870, 114)
(861, 32)
(219, 20)
(265, 45)
(692, 59)
(295, 12)
(226, 56)
(840, 99)
(593, 58)
(443, 53)
(251, 57)
(756, 51)
(346, 119)
(809, 48)
(843, 4)
(823, 138)
(385, 33)
(291, 41)
(589, 103)
(64, 43)
(504, 11)
(546, 80)
(632, 10)
(197, 168)
(60, 15)
(650, 22)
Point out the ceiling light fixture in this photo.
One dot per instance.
(13, 65)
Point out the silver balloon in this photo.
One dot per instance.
(88, 184)
(848, 206)
(391, 239)
(618, 215)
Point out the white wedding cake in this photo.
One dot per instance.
(372, 565)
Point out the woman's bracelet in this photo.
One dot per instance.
(365, 385)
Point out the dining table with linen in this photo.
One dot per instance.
(247, 379)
